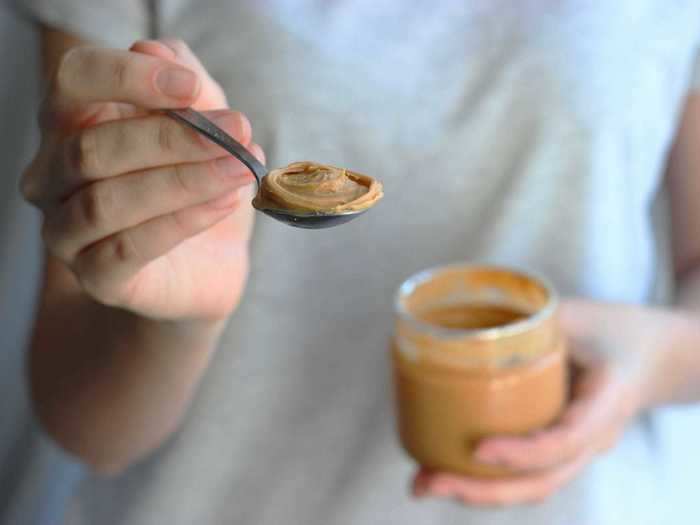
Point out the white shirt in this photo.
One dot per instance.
(531, 134)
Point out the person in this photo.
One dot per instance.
(212, 371)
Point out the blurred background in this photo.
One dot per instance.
(25, 457)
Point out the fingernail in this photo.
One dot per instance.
(177, 82)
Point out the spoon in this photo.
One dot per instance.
(299, 219)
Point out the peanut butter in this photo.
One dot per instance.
(471, 316)
(311, 187)
(477, 353)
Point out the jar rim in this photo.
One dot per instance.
(408, 286)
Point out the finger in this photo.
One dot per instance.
(577, 429)
(156, 48)
(104, 267)
(92, 74)
(52, 118)
(211, 94)
(258, 153)
(106, 207)
(532, 488)
(120, 147)
(420, 483)
(110, 112)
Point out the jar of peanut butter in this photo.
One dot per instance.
(477, 352)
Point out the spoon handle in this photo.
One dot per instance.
(206, 127)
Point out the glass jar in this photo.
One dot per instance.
(477, 352)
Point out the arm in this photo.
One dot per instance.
(111, 372)
(108, 385)
(678, 372)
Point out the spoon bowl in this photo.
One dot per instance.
(298, 219)
(310, 221)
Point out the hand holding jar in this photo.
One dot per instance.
(618, 355)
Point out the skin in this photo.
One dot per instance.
(145, 262)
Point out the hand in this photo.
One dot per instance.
(613, 349)
(148, 215)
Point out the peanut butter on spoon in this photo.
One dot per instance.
(317, 188)
(304, 194)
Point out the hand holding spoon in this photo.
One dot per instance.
(300, 219)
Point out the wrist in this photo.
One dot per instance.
(200, 333)
(672, 373)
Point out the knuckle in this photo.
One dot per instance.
(166, 135)
(123, 249)
(95, 205)
(28, 187)
(33, 182)
(66, 70)
(182, 222)
(83, 153)
(180, 182)
(69, 69)
(98, 269)
(119, 73)
(118, 142)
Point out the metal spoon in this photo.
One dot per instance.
(310, 220)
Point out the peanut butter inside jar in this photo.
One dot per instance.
(477, 352)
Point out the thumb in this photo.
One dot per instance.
(212, 95)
